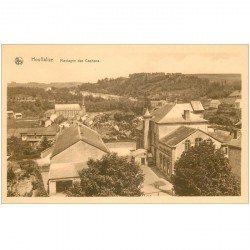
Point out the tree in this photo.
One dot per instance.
(110, 176)
(45, 143)
(204, 171)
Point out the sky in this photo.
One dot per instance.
(118, 60)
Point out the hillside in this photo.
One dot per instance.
(156, 86)
(45, 85)
(161, 86)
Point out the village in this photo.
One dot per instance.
(62, 141)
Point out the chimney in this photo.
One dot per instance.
(187, 115)
(236, 134)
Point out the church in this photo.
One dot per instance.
(70, 110)
(170, 130)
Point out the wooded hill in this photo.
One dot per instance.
(161, 86)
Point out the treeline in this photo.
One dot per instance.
(98, 104)
(17, 99)
(161, 86)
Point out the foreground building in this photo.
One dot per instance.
(170, 130)
(72, 149)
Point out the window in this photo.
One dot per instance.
(198, 141)
(187, 145)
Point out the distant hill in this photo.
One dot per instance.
(168, 86)
(156, 86)
(229, 78)
(45, 85)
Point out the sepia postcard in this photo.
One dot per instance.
(124, 123)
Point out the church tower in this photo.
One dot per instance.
(146, 118)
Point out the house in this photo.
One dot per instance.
(18, 115)
(35, 135)
(234, 154)
(53, 117)
(224, 137)
(45, 122)
(64, 124)
(10, 114)
(139, 156)
(70, 110)
(236, 94)
(72, 150)
(214, 104)
(170, 130)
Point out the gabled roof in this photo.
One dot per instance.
(93, 138)
(177, 136)
(160, 113)
(73, 134)
(197, 106)
(174, 113)
(221, 136)
(61, 107)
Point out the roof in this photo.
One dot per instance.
(221, 136)
(61, 107)
(235, 93)
(197, 106)
(174, 113)
(160, 113)
(40, 130)
(93, 138)
(177, 136)
(235, 143)
(138, 152)
(73, 134)
(147, 114)
(215, 102)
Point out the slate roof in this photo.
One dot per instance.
(62, 107)
(73, 134)
(221, 136)
(174, 113)
(177, 136)
(93, 138)
(160, 113)
(197, 106)
(40, 130)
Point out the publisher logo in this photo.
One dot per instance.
(18, 60)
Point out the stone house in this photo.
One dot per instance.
(170, 130)
(72, 149)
